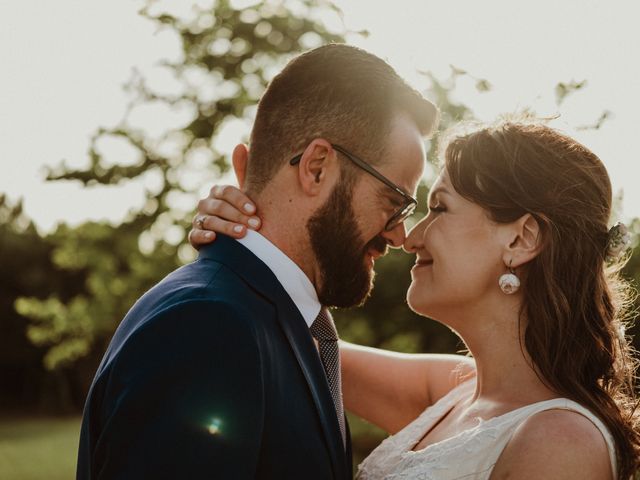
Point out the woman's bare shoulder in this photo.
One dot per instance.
(557, 443)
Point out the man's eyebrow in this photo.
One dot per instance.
(394, 197)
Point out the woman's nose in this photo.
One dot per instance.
(414, 238)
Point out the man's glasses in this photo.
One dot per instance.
(407, 208)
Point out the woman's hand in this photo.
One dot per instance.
(226, 210)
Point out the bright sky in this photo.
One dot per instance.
(64, 64)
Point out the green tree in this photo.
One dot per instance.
(27, 269)
(228, 56)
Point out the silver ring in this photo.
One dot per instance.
(200, 222)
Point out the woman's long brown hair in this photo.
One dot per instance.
(575, 302)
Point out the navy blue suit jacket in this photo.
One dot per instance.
(212, 374)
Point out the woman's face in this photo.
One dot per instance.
(459, 255)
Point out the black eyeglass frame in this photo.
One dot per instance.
(403, 212)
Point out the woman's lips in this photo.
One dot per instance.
(423, 263)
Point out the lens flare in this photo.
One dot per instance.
(215, 426)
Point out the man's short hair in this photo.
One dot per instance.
(338, 92)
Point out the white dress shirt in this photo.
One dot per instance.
(293, 279)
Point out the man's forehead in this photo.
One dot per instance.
(405, 142)
(405, 173)
(406, 164)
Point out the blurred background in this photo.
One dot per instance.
(116, 117)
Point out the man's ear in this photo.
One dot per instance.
(317, 167)
(524, 241)
(239, 159)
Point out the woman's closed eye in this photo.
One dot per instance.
(437, 208)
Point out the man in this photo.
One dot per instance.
(228, 368)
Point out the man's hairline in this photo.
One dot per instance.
(382, 159)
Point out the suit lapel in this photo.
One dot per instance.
(244, 263)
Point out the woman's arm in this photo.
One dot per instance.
(391, 389)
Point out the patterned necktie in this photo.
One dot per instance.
(324, 331)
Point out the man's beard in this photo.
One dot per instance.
(340, 251)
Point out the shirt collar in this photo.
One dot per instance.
(293, 279)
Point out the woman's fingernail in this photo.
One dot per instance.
(237, 229)
(209, 235)
(254, 222)
(249, 208)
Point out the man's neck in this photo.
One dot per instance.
(284, 219)
(293, 245)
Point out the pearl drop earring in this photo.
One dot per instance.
(509, 282)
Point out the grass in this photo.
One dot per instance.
(34, 448)
(38, 448)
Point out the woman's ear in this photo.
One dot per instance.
(524, 241)
(317, 167)
(239, 160)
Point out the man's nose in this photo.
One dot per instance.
(396, 236)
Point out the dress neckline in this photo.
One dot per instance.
(442, 413)
(471, 452)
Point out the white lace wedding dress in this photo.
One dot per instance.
(469, 455)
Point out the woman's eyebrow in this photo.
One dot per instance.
(440, 189)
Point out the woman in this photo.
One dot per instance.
(515, 256)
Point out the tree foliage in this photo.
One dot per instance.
(228, 56)
(28, 270)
